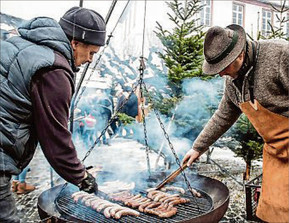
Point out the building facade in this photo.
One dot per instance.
(253, 15)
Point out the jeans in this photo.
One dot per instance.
(22, 176)
(8, 211)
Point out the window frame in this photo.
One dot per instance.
(265, 31)
(242, 14)
(204, 13)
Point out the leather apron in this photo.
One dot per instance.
(273, 205)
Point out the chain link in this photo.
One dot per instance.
(141, 69)
(141, 84)
(172, 148)
(109, 122)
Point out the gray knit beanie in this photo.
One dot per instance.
(84, 25)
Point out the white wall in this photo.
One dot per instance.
(221, 13)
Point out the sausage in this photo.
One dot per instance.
(95, 203)
(159, 196)
(102, 205)
(140, 199)
(169, 199)
(173, 195)
(77, 195)
(149, 208)
(171, 188)
(87, 196)
(144, 205)
(151, 189)
(165, 210)
(138, 203)
(121, 196)
(106, 212)
(116, 209)
(127, 211)
(169, 213)
(133, 204)
(136, 197)
(88, 201)
(152, 194)
(133, 200)
(179, 201)
(196, 193)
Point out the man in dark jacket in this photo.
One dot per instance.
(37, 83)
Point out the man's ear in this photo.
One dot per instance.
(74, 44)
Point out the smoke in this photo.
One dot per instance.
(201, 98)
(200, 101)
(190, 115)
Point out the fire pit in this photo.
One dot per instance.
(210, 208)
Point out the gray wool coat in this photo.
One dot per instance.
(271, 90)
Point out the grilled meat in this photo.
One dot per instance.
(156, 203)
(108, 208)
(171, 188)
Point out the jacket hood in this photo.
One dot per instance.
(47, 32)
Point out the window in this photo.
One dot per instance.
(266, 21)
(205, 13)
(238, 14)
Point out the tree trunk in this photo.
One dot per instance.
(247, 173)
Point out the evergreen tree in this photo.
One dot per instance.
(183, 50)
(183, 46)
(250, 143)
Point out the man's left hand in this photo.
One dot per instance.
(88, 184)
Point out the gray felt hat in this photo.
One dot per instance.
(221, 47)
(84, 25)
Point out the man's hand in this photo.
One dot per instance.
(88, 184)
(191, 156)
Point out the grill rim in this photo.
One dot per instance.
(218, 190)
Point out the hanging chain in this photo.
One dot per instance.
(141, 69)
(172, 148)
(100, 55)
(117, 111)
(109, 122)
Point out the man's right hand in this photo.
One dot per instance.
(191, 156)
(88, 184)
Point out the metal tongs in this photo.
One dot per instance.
(172, 176)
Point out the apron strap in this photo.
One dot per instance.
(255, 49)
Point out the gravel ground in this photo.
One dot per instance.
(40, 177)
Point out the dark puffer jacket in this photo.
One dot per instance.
(42, 41)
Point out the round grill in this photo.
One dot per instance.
(56, 205)
(77, 211)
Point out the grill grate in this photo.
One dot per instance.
(77, 211)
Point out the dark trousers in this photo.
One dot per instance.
(8, 212)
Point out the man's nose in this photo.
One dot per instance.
(90, 59)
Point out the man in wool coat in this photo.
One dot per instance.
(257, 84)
